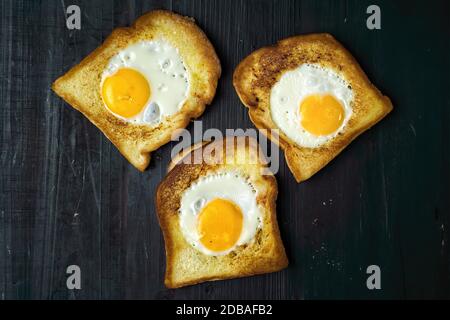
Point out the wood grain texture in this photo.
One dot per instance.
(68, 197)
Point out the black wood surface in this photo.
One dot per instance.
(68, 197)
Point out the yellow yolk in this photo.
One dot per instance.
(126, 92)
(220, 224)
(321, 114)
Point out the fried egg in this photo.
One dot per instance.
(311, 104)
(145, 82)
(219, 212)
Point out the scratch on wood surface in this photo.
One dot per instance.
(91, 172)
(82, 188)
(70, 164)
(413, 129)
(146, 250)
(64, 9)
(385, 196)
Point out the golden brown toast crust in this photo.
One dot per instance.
(187, 265)
(255, 76)
(80, 86)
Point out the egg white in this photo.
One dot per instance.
(293, 87)
(161, 64)
(226, 185)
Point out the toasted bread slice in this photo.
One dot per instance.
(255, 76)
(80, 86)
(187, 265)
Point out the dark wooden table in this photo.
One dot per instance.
(68, 197)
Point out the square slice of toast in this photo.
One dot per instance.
(80, 86)
(187, 265)
(255, 76)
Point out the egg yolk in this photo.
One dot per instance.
(126, 92)
(321, 114)
(220, 224)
